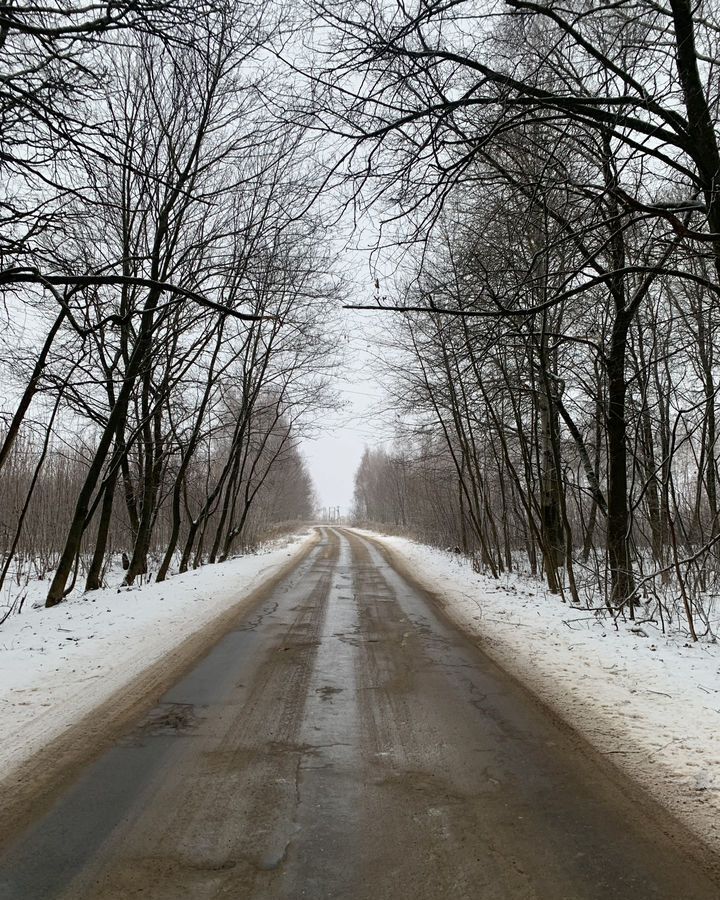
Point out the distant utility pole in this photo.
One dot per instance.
(331, 514)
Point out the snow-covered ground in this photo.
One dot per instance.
(650, 702)
(57, 665)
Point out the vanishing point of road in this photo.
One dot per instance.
(342, 740)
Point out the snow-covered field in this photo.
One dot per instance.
(57, 665)
(650, 702)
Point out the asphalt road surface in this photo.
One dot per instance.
(345, 741)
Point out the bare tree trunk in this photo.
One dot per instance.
(94, 577)
(31, 389)
(618, 521)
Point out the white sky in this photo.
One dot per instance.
(334, 456)
(364, 420)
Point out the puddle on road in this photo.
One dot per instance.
(327, 691)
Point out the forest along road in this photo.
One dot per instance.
(344, 741)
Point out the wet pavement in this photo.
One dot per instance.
(344, 741)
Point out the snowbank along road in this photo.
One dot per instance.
(344, 741)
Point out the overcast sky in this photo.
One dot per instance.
(334, 456)
(363, 420)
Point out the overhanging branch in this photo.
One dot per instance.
(29, 276)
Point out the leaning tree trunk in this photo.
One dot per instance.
(79, 522)
(32, 387)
